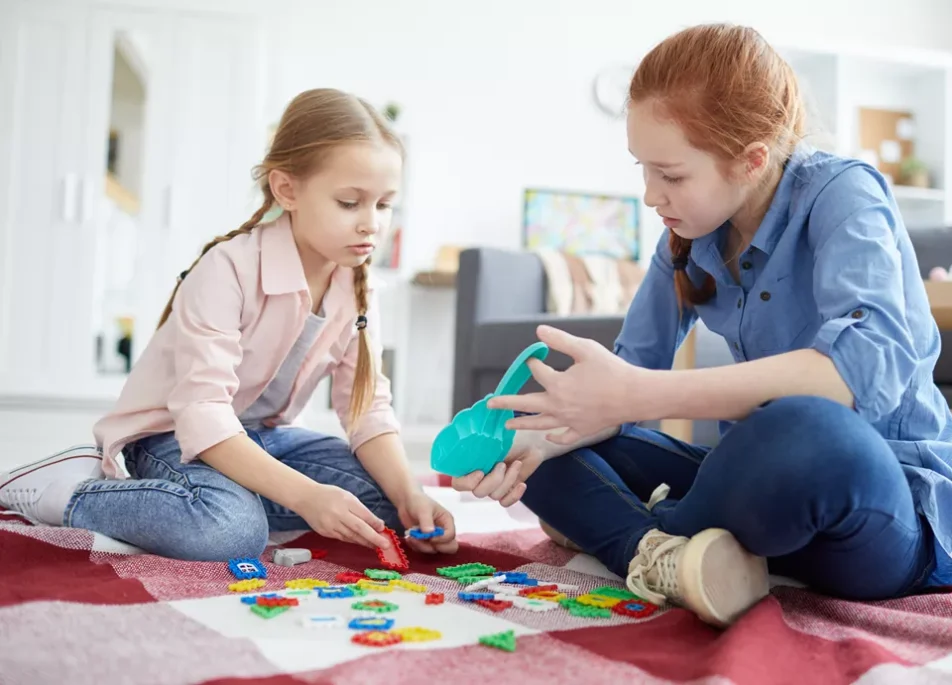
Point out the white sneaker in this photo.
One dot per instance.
(22, 489)
(709, 574)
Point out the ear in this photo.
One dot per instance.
(756, 160)
(283, 188)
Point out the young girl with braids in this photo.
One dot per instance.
(835, 467)
(262, 316)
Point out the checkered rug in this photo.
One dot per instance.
(81, 609)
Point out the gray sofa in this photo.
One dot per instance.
(501, 299)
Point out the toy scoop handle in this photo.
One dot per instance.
(518, 373)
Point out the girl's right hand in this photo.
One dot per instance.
(335, 513)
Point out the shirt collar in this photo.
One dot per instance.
(281, 268)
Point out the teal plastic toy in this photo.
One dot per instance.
(477, 438)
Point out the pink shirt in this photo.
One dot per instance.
(233, 322)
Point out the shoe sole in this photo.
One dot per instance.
(726, 581)
(75, 452)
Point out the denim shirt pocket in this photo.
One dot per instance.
(777, 317)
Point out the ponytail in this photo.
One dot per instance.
(688, 294)
(365, 377)
(246, 227)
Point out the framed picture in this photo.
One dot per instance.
(581, 223)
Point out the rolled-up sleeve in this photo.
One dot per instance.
(654, 327)
(205, 322)
(380, 417)
(857, 285)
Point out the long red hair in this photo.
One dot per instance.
(726, 88)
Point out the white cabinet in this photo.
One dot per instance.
(839, 84)
(196, 138)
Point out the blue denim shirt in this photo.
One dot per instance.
(831, 267)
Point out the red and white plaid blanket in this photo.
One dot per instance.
(80, 609)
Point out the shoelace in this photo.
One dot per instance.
(666, 586)
(22, 501)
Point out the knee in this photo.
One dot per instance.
(238, 533)
(811, 440)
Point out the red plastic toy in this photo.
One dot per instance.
(376, 638)
(276, 601)
(496, 605)
(635, 608)
(318, 554)
(349, 577)
(393, 558)
(533, 589)
(434, 598)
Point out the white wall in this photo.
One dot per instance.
(496, 94)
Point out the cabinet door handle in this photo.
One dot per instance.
(70, 197)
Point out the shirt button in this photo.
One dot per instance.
(764, 296)
(746, 265)
(857, 314)
(736, 345)
(740, 301)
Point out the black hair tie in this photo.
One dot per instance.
(679, 263)
(361, 322)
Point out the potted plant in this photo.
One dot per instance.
(913, 172)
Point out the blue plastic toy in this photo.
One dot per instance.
(420, 535)
(370, 623)
(244, 569)
(477, 438)
(334, 592)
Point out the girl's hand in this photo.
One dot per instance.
(424, 513)
(506, 482)
(589, 397)
(335, 513)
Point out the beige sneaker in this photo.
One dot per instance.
(709, 574)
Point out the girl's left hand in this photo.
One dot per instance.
(424, 513)
(588, 397)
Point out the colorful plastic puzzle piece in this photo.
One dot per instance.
(466, 571)
(276, 601)
(417, 634)
(548, 595)
(598, 601)
(496, 605)
(268, 612)
(322, 621)
(334, 592)
(357, 590)
(253, 599)
(305, 583)
(616, 592)
(376, 638)
(420, 535)
(370, 623)
(537, 605)
(317, 553)
(635, 608)
(378, 574)
(584, 610)
(246, 568)
(407, 585)
(473, 596)
(518, 579)
(349, 577)
(532, 590)
(247, 585)
(434, 598)
(393, 557)
(375, 585)
(378, 606)
(290, 556)
(505, 641)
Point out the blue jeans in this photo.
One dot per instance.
(802, 481)
(194, 512)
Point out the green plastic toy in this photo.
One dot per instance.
(477, 438)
